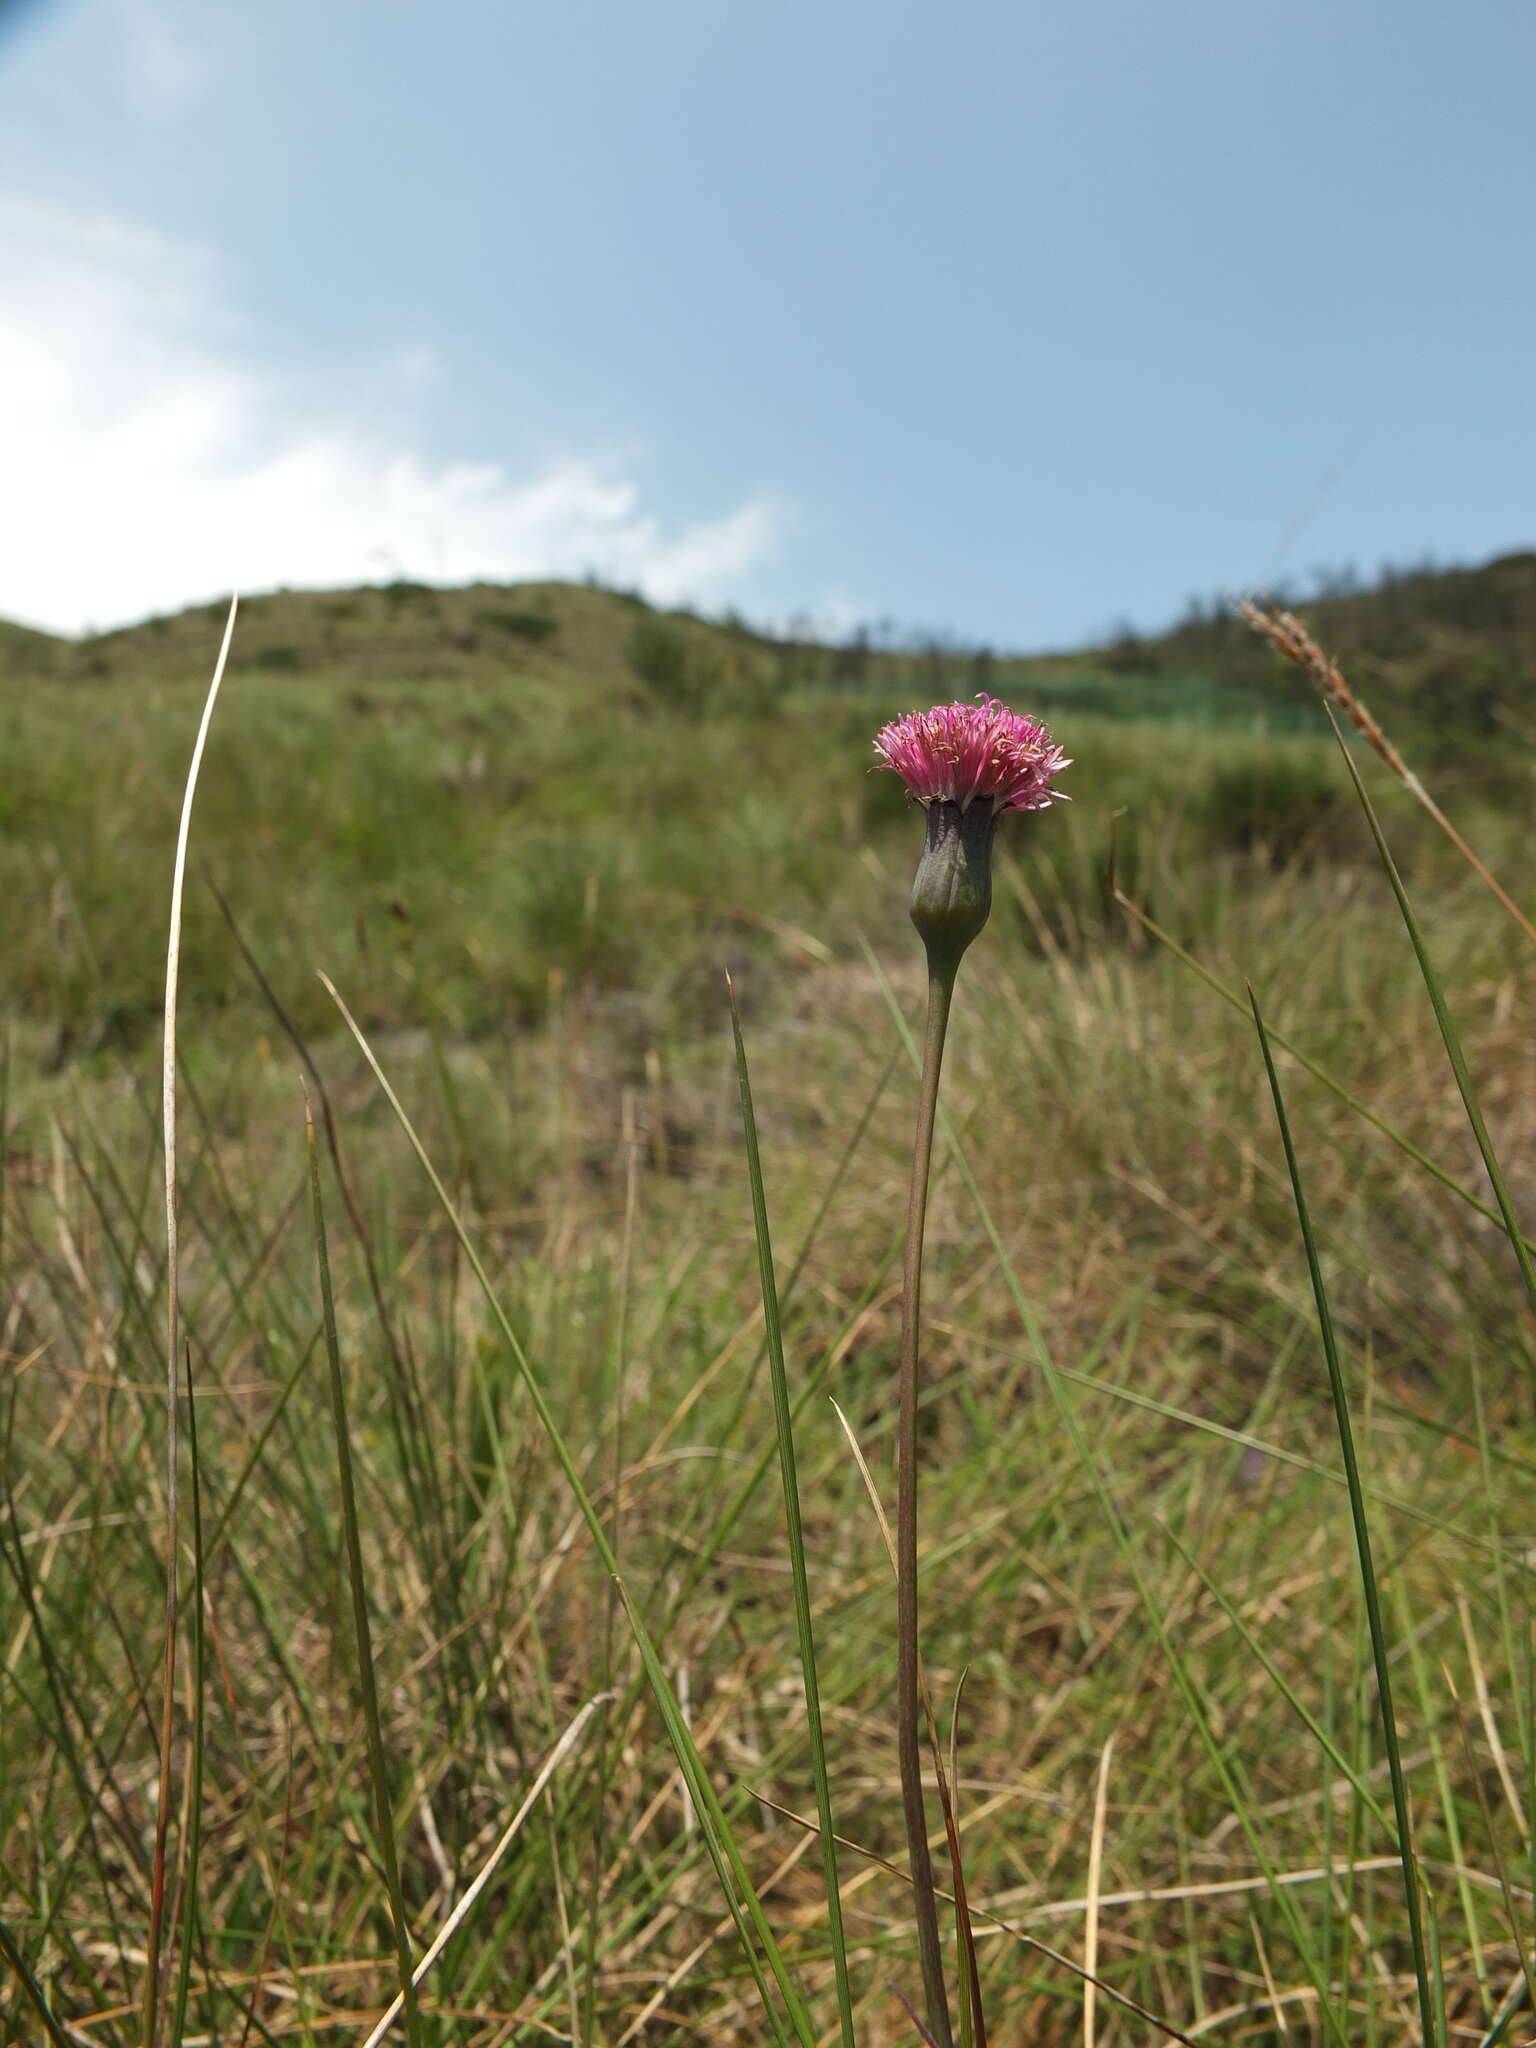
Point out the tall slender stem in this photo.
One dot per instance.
(941, 985)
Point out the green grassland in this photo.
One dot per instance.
(527, 833)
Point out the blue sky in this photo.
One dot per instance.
(1016, 319)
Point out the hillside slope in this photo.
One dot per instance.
(1440, 650)
(1445, 649)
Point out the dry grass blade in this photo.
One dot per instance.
(1210, 1888)
(1095, 1868)
(508, 1836)
(172, 1340)
(870, 1487)
(1490, 1724)
(1286, 634)
(1506, 1889)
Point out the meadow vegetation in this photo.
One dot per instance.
(526, 833)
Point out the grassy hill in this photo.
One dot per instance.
(1448, 650)
(510, 793)
(508, 790)
(1451, 652)
(526, 830)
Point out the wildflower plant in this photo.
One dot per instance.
(966, 764)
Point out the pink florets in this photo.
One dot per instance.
(966, 753)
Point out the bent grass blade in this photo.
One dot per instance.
(784, 1430)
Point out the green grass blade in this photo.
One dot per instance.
(1288, 1692)
(1504, 2018)
(1436, 1960)
(34, 1991)
(1423, 1971)
(785, 1431)
(1448, 1032)
(1298, 1461)
(383, 1814)
(807, 1242)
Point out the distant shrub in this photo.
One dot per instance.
(1129, 655)
(534, 627)
(658, 654)
(595, 580)
(670, 667)
(402, 592)
(1469, 693)
(26, 654)
(1281, 805)
(285, 659)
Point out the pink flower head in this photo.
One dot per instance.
(962, 753)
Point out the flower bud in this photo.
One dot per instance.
(952, 890)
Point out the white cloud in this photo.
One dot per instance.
(148, 461)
